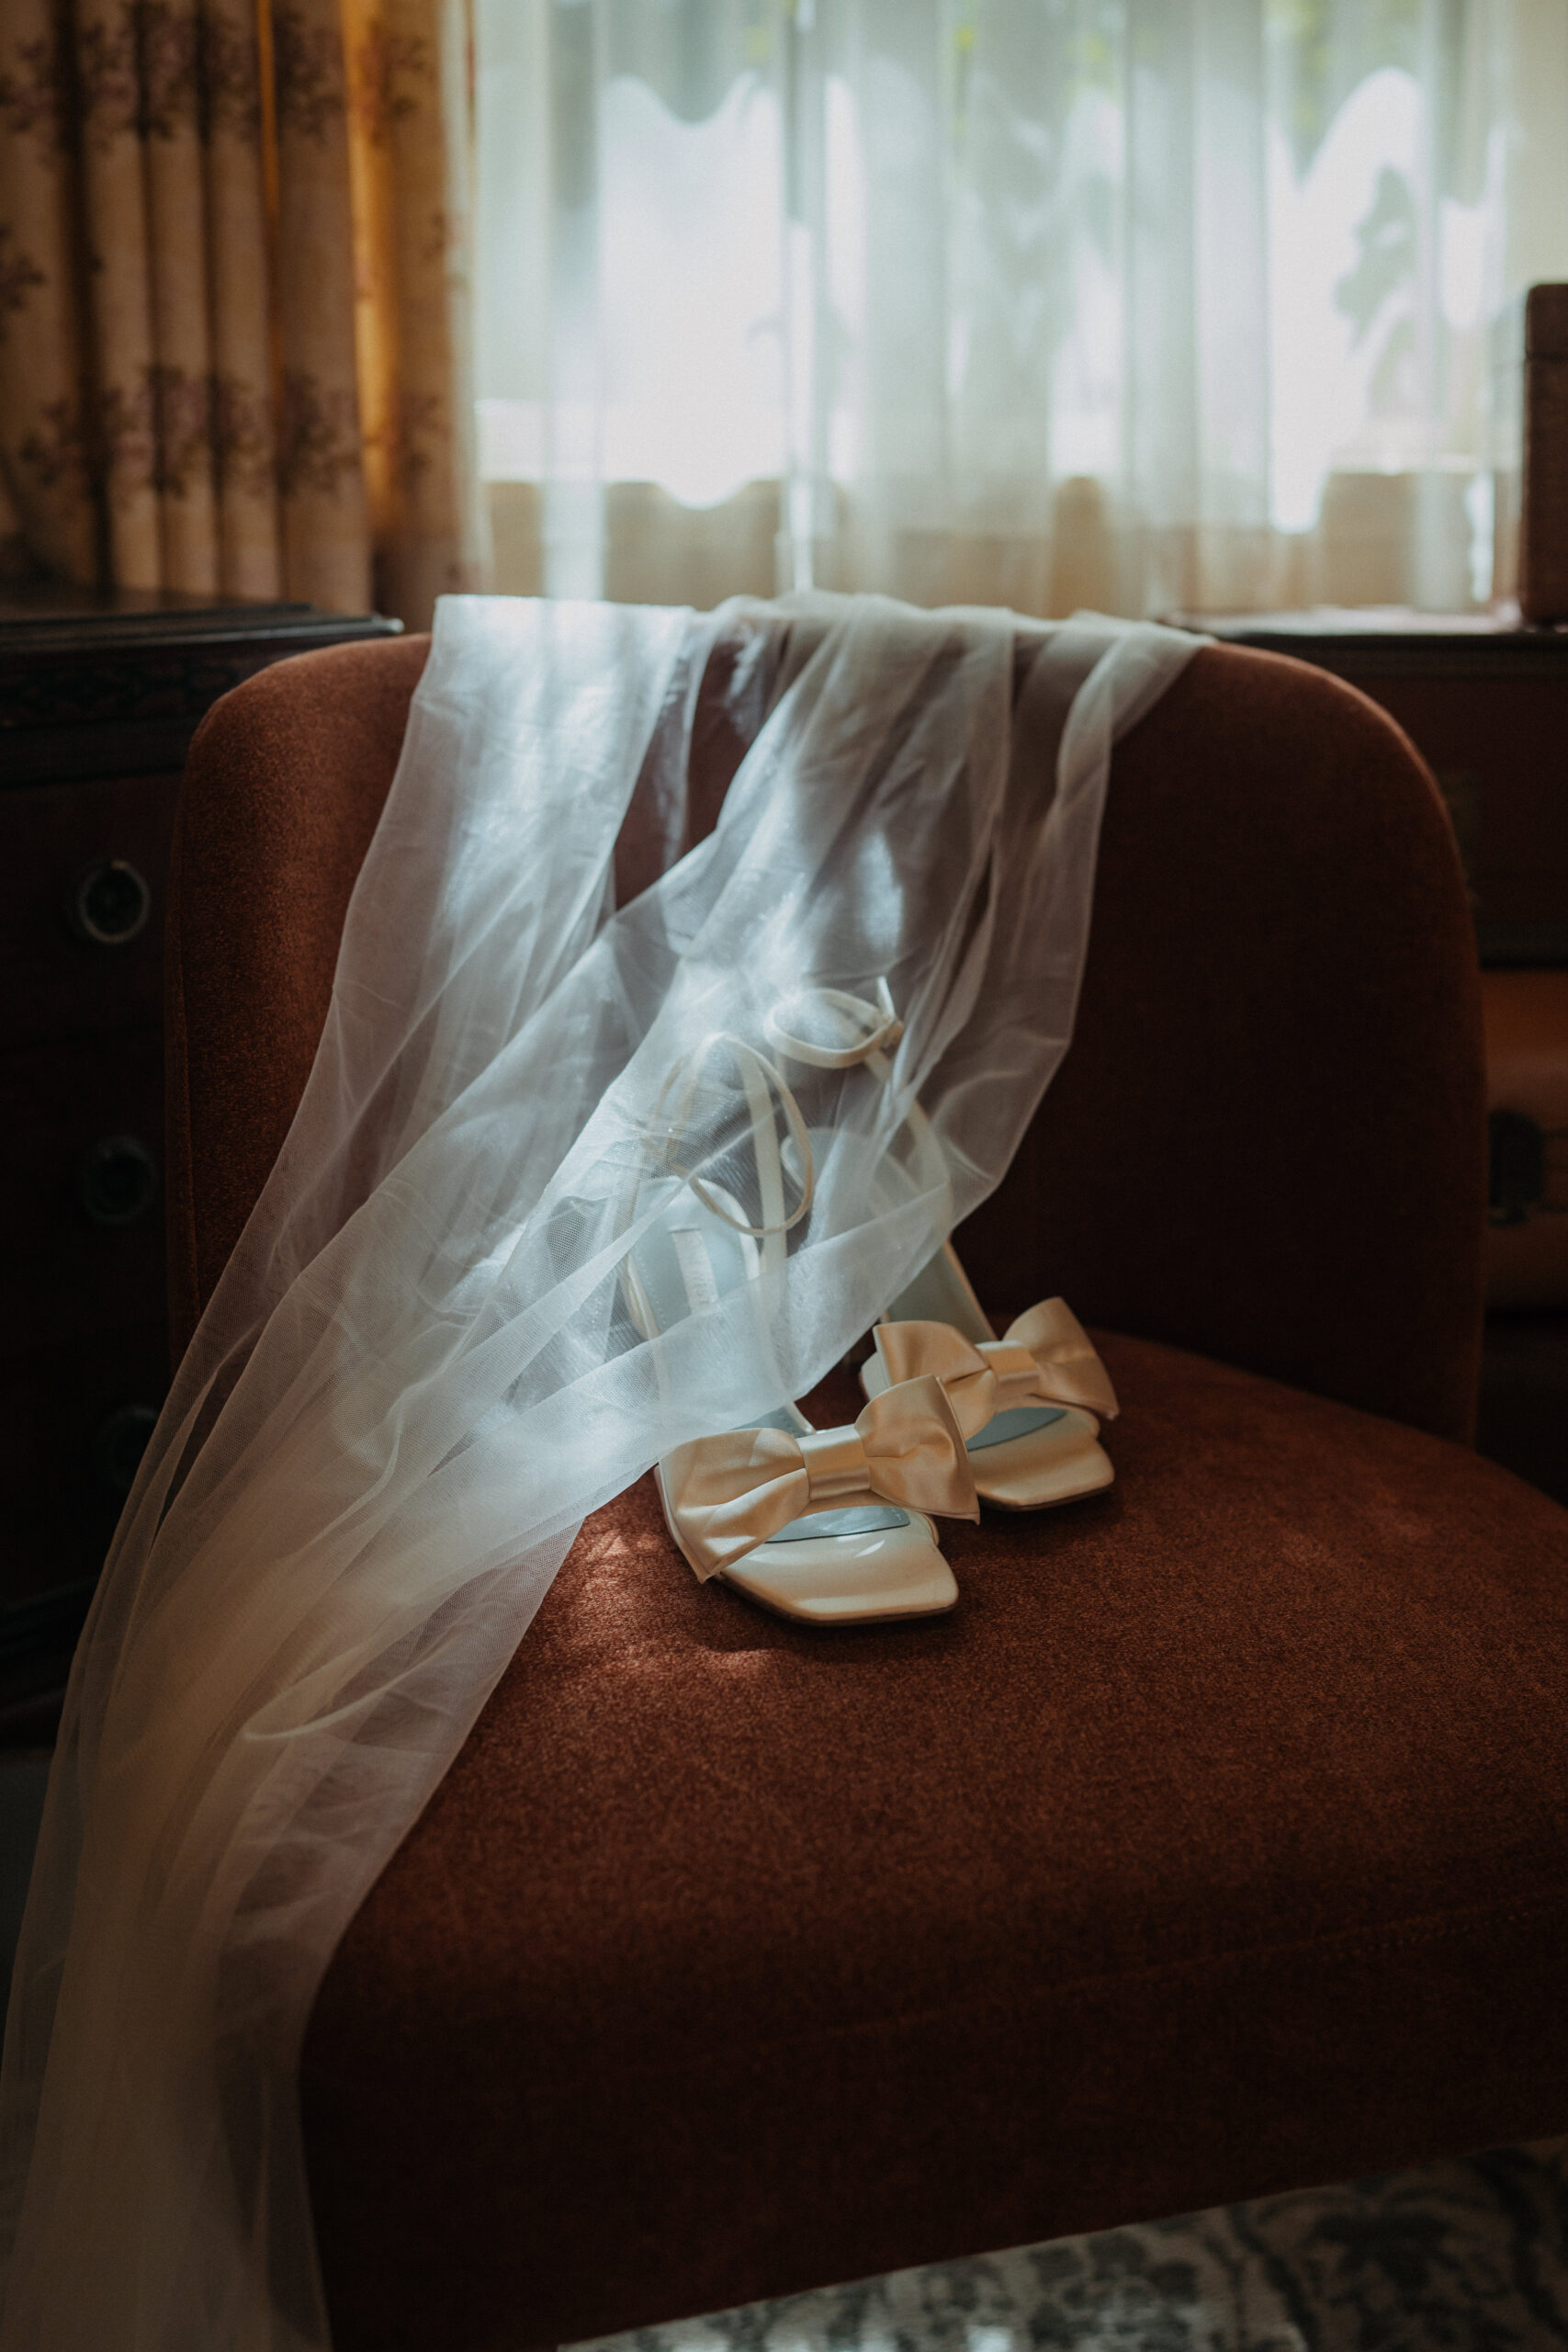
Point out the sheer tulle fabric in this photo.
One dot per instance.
(419, 1373)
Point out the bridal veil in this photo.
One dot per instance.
(418, 1373)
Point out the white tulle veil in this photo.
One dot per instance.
(418, 1373)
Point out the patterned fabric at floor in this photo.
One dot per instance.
(1470, 2256)
(233, 333)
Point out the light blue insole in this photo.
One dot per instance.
(1019, 1421)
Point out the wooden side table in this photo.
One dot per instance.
(99, 698)
(1485, 703)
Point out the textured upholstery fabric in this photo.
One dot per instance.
(283, 787)
(1267, 1142)
(1215, 1843)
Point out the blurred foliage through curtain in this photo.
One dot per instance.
(234, 332)
(1131, 303)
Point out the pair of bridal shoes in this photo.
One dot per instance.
(834, 1527)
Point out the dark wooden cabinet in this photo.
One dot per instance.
(98, 700)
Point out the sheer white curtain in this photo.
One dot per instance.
(1138, 304)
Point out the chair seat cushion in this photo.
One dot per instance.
(1215, 1844)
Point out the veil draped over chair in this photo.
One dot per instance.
(418, 1373)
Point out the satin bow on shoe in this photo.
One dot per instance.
(1045, 1358)
(730, 1493)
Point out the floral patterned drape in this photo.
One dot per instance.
(233, 298)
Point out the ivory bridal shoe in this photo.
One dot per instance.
(827, 1526)
(1027, 1403)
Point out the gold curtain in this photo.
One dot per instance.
(234, 341)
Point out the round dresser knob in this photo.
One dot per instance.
(117, 1180)
(119, 1444)
(108, 903)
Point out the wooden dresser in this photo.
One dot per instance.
(98, 700)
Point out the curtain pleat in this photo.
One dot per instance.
(244, 441)
(326, 539)
(119, 293)
(412, 141)
(233, 298)
(183, 477)
(52, 523)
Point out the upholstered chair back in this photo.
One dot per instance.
(1265, 1144)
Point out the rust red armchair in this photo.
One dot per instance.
(1216, 1844)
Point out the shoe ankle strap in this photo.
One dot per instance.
(861, 1025)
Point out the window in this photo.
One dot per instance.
(1132, 304)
